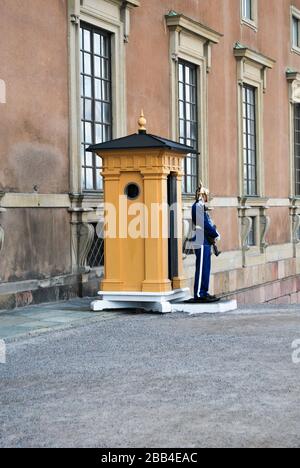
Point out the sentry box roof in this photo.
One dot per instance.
(141, 140)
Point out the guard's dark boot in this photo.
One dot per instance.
(214, 297)
(206, 300)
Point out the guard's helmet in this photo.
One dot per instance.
(201, 191)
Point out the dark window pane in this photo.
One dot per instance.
(251, 241)
(106, 113)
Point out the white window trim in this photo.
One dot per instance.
(252, 70)
(294, 13)
(252, 23)
(293, 78)
(112, 16)
(191, 41)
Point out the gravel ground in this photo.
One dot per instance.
(141, 380)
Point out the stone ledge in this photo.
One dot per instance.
(27, 293)
(285, 291)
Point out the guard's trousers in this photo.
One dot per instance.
(203, 267)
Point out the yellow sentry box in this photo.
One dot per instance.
(146, 170)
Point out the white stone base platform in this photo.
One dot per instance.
(151, 302)
(158, 302)
(213, 308)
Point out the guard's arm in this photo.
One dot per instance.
(209, 228)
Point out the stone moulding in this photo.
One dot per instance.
(2, 233)
(295, 215)
(1, 238)
(181, 22)
(86, 234)
(246, 227)
(265, 222)
(296, 228)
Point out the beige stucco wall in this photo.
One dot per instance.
(34, 120)
(37, 244)
(34, 136)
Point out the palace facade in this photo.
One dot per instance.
(222, 76)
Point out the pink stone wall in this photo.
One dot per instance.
(34, 121)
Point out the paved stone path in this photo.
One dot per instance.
(142, 380)
(42, 318)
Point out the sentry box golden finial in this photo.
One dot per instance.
(141, 173)
(142, 123)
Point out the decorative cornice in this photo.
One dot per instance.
(127, 3)
(240, 51)
(176, 20)
(132, 3)
(292, 75)
(253, 202)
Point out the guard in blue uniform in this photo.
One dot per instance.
(205, 236)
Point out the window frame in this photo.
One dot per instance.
(260, 173)
(253, 21)
(96, 163)
(296, 179)
(104, 15)
(252, 70)
(113, 17)
(193, 42)
(247, 180)
(183, 139)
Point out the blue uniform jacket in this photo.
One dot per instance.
(199, 214)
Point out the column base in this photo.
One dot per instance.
(179, 282)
